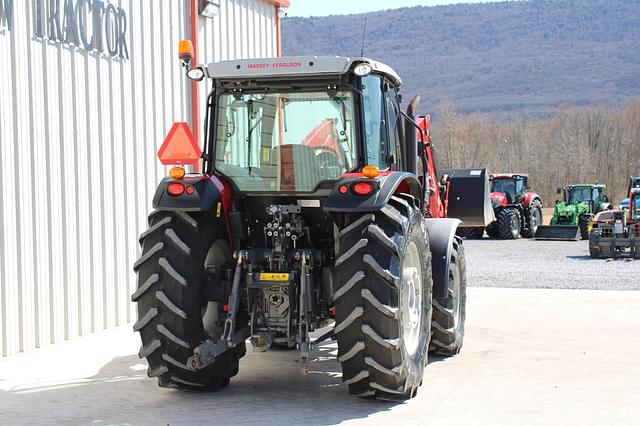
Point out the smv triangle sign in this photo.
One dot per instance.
(179, 147)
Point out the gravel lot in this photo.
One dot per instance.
(529, 263)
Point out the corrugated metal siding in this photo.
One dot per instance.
(78, 137)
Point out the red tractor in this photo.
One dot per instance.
(315, 209)
(517, 210)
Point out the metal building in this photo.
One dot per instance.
(88, 90)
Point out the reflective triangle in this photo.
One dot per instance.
(179, 147)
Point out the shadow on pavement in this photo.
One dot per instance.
(270, 388)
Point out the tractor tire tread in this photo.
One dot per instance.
(170, 271)
(367, 306)
(448, 336)
(505, 218)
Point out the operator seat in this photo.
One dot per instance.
(297, 168)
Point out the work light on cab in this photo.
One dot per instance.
(362, 69)
(196, 74)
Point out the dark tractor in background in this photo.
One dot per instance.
(317, 207)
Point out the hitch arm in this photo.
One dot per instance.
(228, 335)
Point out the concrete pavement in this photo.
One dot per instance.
(531, 357)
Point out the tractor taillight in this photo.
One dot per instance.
(362, 188)
(343, 189)
(175, 189)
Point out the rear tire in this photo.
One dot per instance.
(583, 223)
(470, 233)
(492, 230)
(449, 312)
(535, 219)
(509, 224)
(170, 309)
(383, 301)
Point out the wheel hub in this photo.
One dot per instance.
(411, 299)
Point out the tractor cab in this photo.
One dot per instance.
(579, 194)
(633, 215)
(508, 188)
(298, 125)
(591, 197)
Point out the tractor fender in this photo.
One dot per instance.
(441, 234)
(384, 187)
(210, 195)
(529, 198)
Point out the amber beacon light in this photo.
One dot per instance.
(185, 51)
(371, 171)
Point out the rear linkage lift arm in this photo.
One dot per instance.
(205, 354)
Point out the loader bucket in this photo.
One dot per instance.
(558, 232)
(469, 198)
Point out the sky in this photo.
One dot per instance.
(343, 7)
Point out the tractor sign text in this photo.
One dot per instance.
(93, 25)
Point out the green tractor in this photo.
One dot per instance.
(571, 217)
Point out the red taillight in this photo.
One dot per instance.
(343, 189)
(190, 190)
(362, 188)
(175, 189)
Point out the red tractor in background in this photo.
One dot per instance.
(517, 210)
(317, 207)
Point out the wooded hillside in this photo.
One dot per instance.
(594, 145)
(508, 57)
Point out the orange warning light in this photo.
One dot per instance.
(179, 147)
(185, 50)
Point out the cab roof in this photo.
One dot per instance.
(589, 185)
(295, 66)
(508, 175)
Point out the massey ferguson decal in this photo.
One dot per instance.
(272, 65)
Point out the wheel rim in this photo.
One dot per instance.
(411, 298)
(535, 220)
(217, 255)
(515, 225)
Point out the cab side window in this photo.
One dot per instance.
(393, 116)
(375, 121)
(597, 194)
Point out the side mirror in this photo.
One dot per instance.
(605, 198)
(558, 190)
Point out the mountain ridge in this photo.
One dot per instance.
(508, 58)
